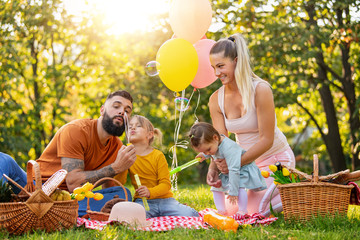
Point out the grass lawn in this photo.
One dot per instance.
(200, 197)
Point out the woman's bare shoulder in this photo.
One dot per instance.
(213, 100)
(263, 87)
(214, 95)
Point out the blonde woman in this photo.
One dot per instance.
(244, 105)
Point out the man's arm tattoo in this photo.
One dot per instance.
(70, 164)
(93, 176)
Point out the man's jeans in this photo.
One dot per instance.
(9, 166)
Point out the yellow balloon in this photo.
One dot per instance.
(177, 63)
(190, 19)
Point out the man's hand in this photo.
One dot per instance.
(143, 191)
(212, 178)
(124, 159)
(222, 166)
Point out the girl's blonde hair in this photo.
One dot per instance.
(236, 47)
(145, 123)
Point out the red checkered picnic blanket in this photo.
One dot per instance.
(355, 194)
(171, 222)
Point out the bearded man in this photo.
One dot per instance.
(89, 149)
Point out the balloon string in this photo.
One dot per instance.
(184, 143)
(173, 148)
(197, 104)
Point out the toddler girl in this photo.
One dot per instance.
(205, 139)
(152, 168)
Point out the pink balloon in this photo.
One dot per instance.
(205, 74)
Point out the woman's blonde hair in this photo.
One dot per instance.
(145, 123)
(236, 47)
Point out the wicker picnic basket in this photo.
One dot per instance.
(39, 211)
(303, 200)
(101, 216)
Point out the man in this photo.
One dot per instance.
(89, 149)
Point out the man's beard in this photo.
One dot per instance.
(111, 128)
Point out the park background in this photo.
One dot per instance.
(60, 59)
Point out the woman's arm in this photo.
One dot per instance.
(265, 111)
(219, 124)
(216, 115)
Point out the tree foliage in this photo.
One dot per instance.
(55, 67)
(308, 50)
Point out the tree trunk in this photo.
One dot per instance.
(349, 88)
(332, 139)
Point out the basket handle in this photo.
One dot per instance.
(316, 169)
(33, 165)
(102, 180)
(16, 184)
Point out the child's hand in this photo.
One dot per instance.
(143, 191)
(233, 199)
(212, 178)
(200, 155)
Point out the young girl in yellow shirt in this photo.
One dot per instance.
(152, 168)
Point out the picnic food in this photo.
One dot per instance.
(60, 195)
(221, 222)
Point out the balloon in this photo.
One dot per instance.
(190, 19)
(174, 36)
(205, 74)
(177, 63)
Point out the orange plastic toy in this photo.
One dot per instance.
(221, 222)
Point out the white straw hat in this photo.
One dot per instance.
(131, 213)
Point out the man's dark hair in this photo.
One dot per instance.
(121, 93)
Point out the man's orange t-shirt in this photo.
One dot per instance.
(79, 139)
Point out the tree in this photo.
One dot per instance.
(43, 52)
(309, 52)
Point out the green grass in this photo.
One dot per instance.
(200, 197)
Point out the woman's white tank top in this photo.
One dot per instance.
(246, 128)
